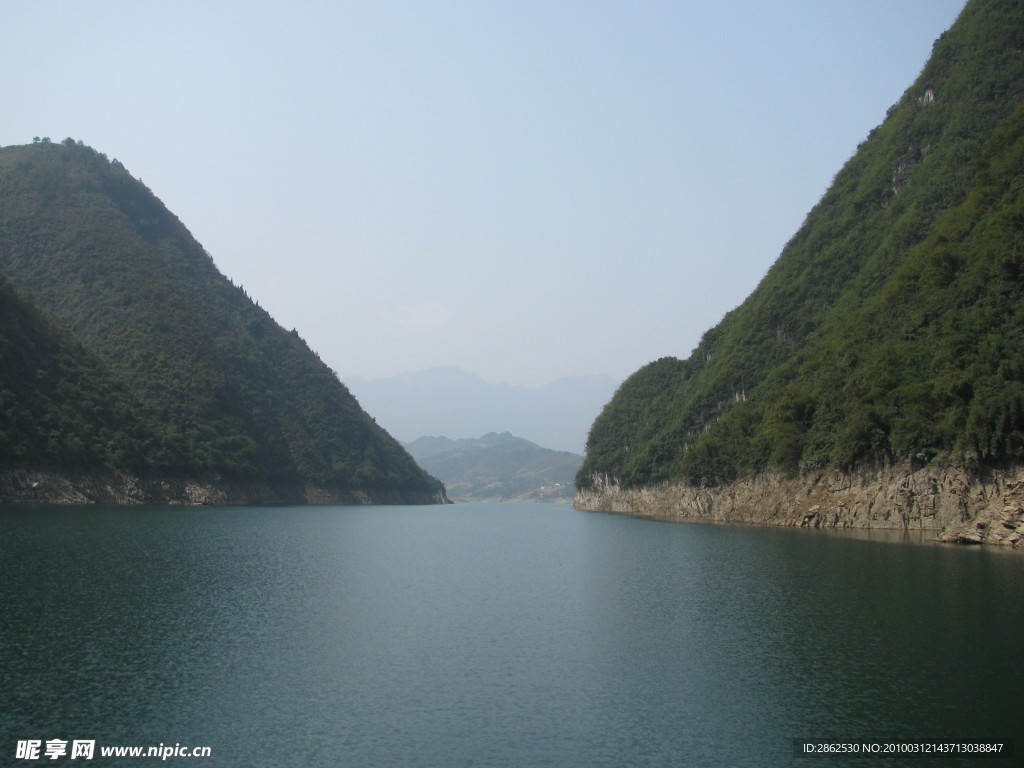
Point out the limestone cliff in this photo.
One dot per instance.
(959, 503)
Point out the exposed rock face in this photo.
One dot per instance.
(115, 488)
(960, 504)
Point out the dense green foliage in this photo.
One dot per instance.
(892, 324)
(58, 406)
(217, 388)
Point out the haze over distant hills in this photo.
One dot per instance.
(498, 468)
(458, 404)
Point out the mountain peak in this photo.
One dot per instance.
(889, 328)
(222, 393)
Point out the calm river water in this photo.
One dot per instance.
(492, 635)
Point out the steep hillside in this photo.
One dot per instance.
(58, 406)
(226, 394)
(498, 467)
(891, 328)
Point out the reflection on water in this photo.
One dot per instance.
(493, 635)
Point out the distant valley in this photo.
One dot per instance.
(452, 402)
(498, 467)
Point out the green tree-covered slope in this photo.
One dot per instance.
(892, 324)
(58, 406)
(220, 390)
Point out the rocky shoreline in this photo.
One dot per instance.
(48, 487)
(959, 503)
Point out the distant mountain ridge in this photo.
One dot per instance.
(498, 468)
(194, 385)
(889, 332)
(453, 402)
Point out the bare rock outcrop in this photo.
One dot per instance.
(50, 487)
(959, 503)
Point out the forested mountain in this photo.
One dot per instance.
(891, 327)
(148, 360)
(498, 467)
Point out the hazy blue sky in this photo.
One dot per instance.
(526, 190)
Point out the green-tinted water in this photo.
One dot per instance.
(492, 635)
